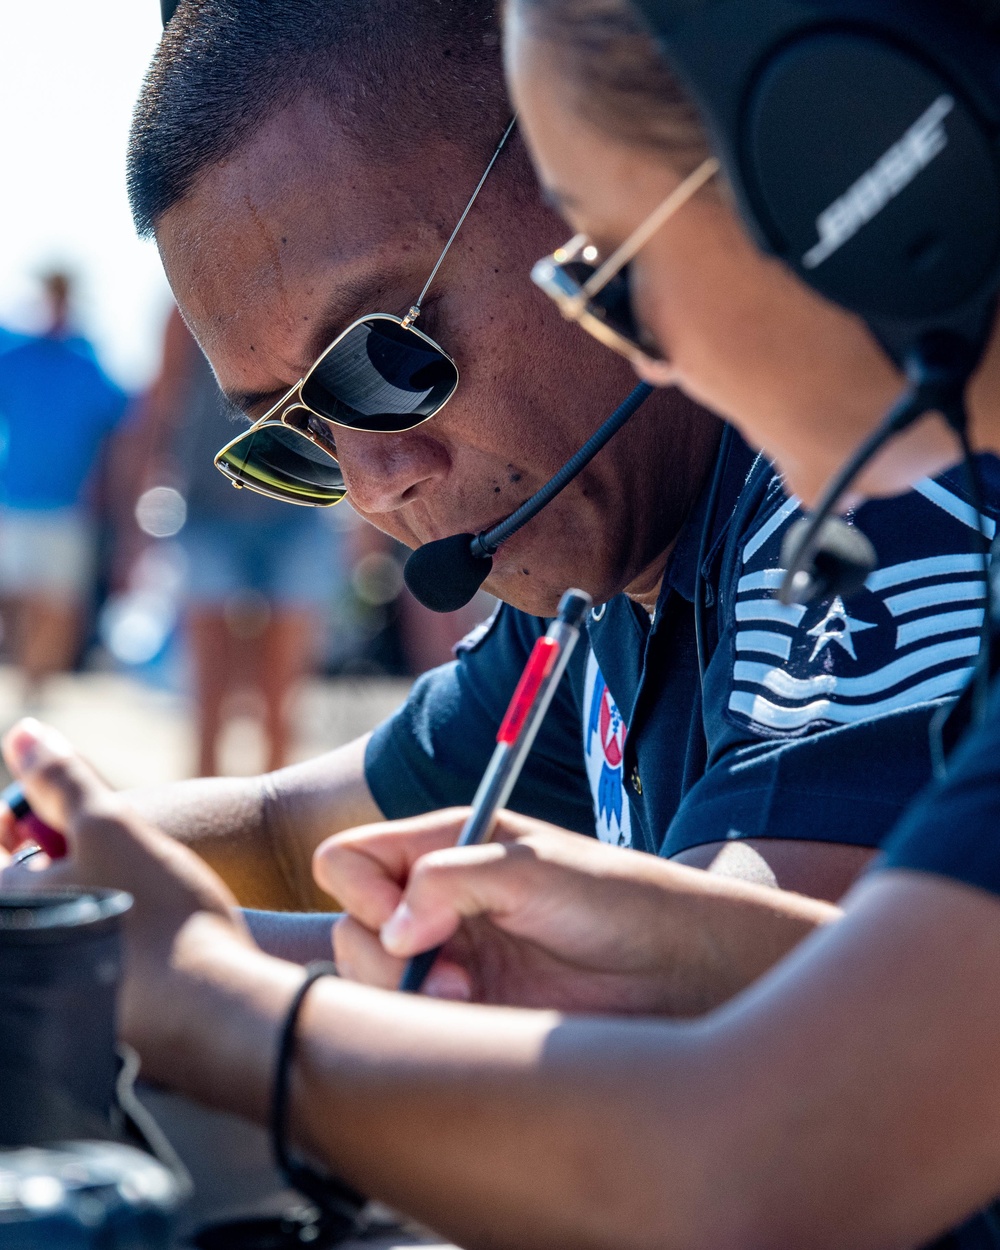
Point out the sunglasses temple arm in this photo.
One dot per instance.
(415, 310)
(674, 202)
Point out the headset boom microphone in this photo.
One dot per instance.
(444, 575)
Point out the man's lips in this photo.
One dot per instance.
(479, 527)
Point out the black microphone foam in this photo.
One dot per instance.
(837, 561)
(444, 575)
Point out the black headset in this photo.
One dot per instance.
(861, 141)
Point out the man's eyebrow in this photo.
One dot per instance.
(354, 296)
(241, 403)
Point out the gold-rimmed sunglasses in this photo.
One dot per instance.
(381, 375)
(596, 295)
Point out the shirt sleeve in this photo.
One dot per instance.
(434, 750)
(953, 830)
(846, 785)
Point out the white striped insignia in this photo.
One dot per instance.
(910, 636)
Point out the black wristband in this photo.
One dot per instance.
(338, 1202)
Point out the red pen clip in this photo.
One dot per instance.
(540, 663)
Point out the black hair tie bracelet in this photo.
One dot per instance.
(339, 1205)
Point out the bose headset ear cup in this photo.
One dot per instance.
(860, 139)
(902, 222)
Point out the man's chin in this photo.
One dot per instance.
(516, 582)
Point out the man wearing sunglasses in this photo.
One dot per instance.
(348, 222)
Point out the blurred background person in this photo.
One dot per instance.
(259, 576)
(58, 409)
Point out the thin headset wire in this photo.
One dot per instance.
(704, 547)
(914, 404)
(461, 220)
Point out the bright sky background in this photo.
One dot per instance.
(70, 72)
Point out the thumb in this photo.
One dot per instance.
(58, 783)
(447, 887)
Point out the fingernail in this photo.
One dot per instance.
(30, 744)
(448, 982)
(397, 928)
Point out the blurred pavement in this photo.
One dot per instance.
(139, 736)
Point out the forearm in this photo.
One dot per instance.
(259, 833)
(717, 936)
(805, 1113)
(460, 1116)
(223, 819)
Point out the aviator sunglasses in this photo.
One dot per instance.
(597, 296)
(381, 374)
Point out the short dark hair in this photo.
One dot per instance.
(626, 86)
(396, 71)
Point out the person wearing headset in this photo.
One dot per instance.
(791, 788)
(847, 1098)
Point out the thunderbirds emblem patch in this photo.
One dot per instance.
(911, 635)
(604, 734)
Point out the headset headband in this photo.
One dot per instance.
(860, 138)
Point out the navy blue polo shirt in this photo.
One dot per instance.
(951, 831)
(814, 722)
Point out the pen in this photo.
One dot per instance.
(524, 716)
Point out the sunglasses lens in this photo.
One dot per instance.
(284, 464)
(380, 376)
(612, 304)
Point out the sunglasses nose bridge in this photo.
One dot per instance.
(313, 426)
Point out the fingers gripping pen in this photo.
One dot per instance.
(542, 674)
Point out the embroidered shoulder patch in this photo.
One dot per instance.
(910, 636)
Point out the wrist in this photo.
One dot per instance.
(211, 1030)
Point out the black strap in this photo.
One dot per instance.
(339, 1204)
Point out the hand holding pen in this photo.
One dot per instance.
(525, 713)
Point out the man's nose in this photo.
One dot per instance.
(385, 471)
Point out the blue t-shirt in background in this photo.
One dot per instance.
(9, 339)
(57, 406)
